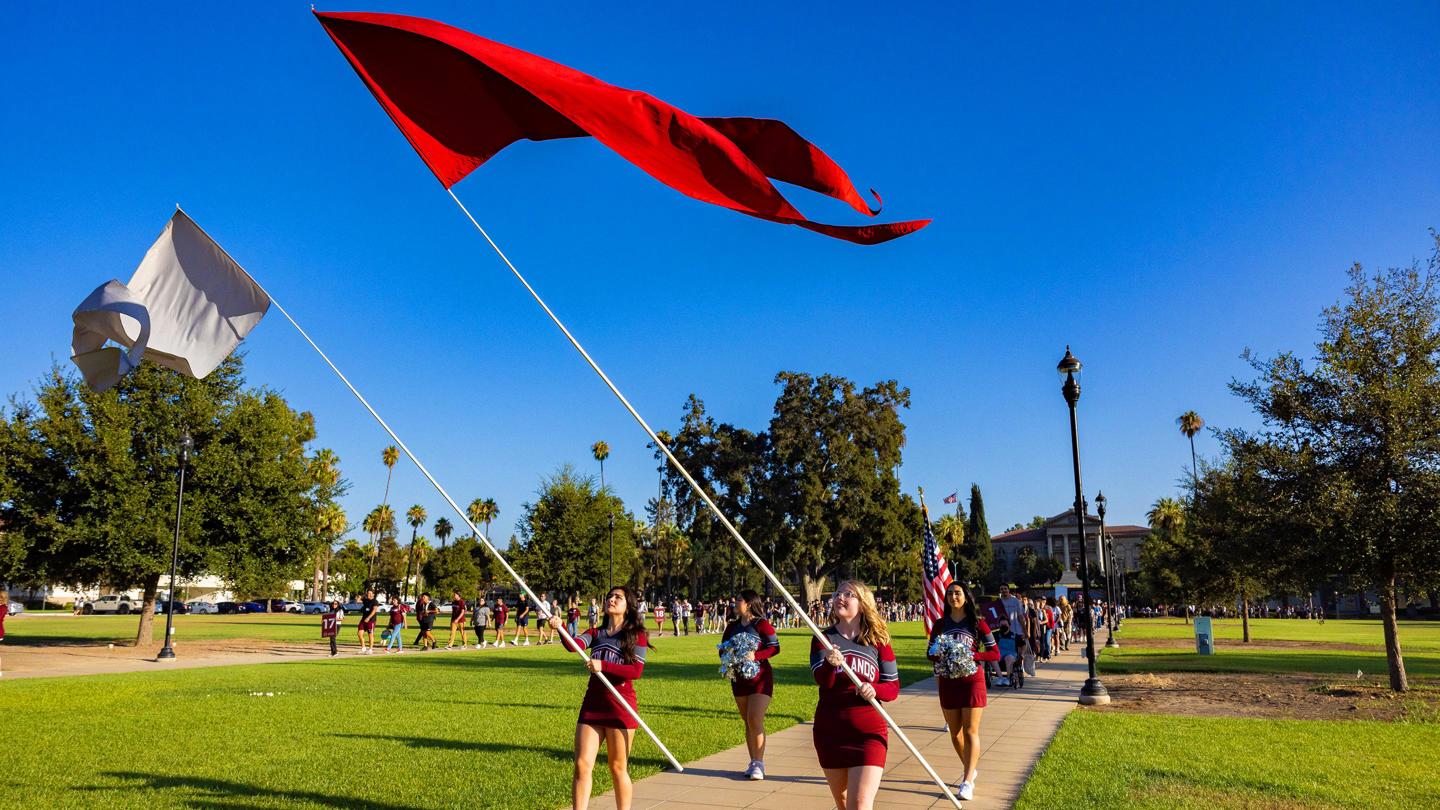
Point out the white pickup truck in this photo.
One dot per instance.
(115, 603)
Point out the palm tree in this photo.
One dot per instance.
(415, 516)
(1167, 515)
(483, 511)
(489, 510)
(443, 530)
(1190, 423)
(324, 469)
(330, 524)
(421, 551)
(380, 522)
(601, 451)
(389, 456)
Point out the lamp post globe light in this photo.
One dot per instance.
(1093, 692)
(1104, 550)
(167, 653)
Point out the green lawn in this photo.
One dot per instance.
(471, 729)
(1130, 760)
(1420, 642)
(1121, 760)
(1416, 635)
(60, 630)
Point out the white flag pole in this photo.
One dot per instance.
(569, 640)
(735, 533)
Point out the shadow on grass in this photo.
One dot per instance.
(224, 793)
(441, 744)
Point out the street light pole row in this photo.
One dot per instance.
(167, 653)
(1093, 692)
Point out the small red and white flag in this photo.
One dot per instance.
(937, 578)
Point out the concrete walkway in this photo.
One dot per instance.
(1014, 731)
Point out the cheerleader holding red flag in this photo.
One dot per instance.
(617, 653)
(962, 692)
(752, 695)
(851, 738)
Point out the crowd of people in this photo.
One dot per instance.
(1009, 635)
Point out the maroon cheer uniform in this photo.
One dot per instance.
(599, 707)
(769, 645)
(848, 732)
(967, 692)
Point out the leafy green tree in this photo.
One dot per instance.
(455, 569)
(564, 536)
(1367, 411)
(830, 477)
(1031, 569)
(351, 567)
(88, 494)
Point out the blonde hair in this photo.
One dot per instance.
(873, 630)
(4, 597)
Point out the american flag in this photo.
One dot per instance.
(937, 577)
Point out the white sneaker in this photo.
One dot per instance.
(966, 791)
(757, 771)
(527, 643)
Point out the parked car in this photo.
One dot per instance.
(292, 607)
(114, 603)
(253, 607)
(199, 607)
(314, 607)
(230, 607)
(162, 605)
(16, 608)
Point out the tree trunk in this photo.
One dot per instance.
(329, 552)
(812, 585)
(1435, 600)
(1394, 659)
(145, 635)
(1245, 616)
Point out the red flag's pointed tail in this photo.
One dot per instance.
(460, 99)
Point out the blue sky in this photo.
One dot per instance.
(1158, 187)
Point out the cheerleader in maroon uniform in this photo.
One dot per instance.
(963, 699)
(752, 697)
(617, 652)
(850, 736)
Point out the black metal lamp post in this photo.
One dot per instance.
(1104, 549)
(611, 531)
(167, 653)
(1093, 692)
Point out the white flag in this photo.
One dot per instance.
(187, 307)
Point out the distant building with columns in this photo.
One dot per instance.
(1059, 537)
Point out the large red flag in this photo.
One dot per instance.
(460, 99)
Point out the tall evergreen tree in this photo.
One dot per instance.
(976, 559)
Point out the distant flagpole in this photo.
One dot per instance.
(704, 496)
(464, 516)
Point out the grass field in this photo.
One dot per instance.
(462, 729)
(1163, 762)
(1129, 760)
(1336, 648)
(51, 630)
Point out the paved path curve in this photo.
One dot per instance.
(1015, 730)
